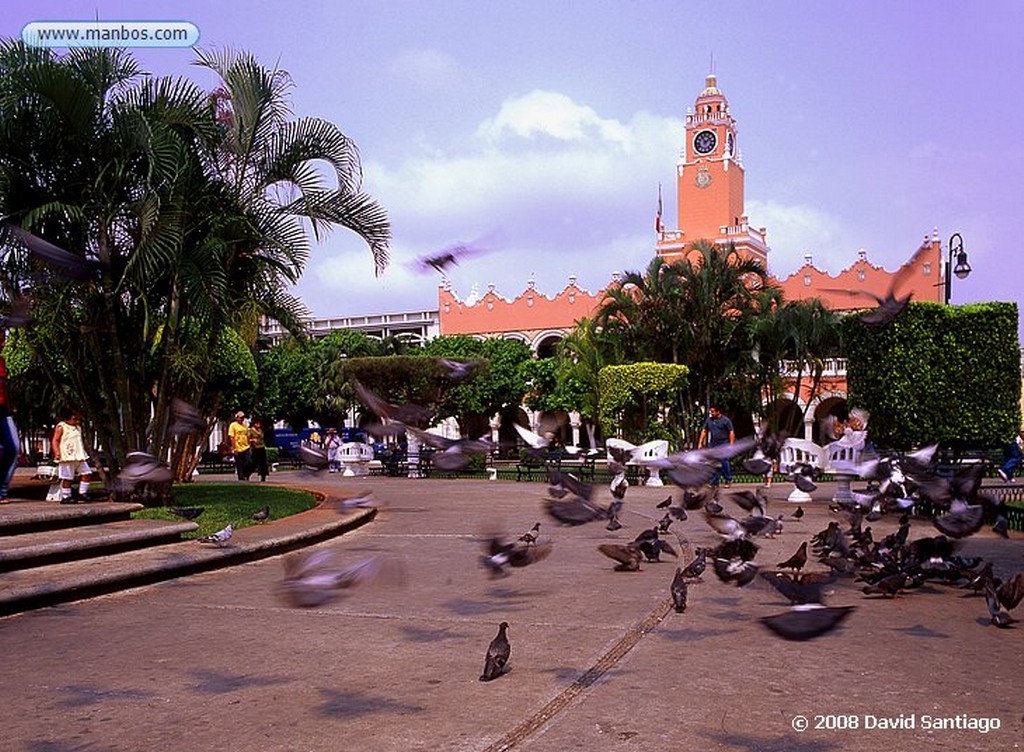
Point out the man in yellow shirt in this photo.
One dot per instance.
(238, 435)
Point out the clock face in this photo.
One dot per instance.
(705, 142)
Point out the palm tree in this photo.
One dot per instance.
(185, 210)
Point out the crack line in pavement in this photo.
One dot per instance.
(595, 672)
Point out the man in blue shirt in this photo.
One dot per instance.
(718, 430)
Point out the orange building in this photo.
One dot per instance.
(710, 195)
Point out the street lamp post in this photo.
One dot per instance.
(962, 268)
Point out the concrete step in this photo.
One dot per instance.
(19, 517)
(42, 547)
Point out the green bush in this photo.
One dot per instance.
(631, 396)
(945, 374)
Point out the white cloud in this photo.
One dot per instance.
(555, 115)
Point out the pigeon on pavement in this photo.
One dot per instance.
(498, 653)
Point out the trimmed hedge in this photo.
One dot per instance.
(644, 387)
(946, 374)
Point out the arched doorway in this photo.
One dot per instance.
(835, 405)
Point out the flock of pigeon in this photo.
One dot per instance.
(846, 549)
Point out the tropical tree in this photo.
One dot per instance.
(697, 312)
(177, 218)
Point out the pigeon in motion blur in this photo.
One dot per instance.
(459, 370)
(890, 306)
(498, 653)
(313, 578)
(220, 537)
(807, 617)
(628, 556)
(142, 467)
(499, 554)
(451, 255)
(187, 513)
(65, 263)
(185, 418)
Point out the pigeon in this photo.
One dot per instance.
(261, 515)
(890, 306)
(613, 515)
(733, 561)
(457, 370)
(450, 255)
(498, 554)
(454, 454)
(695, 467)
(808, 617)
(65, 263)
(695, 568)
(798, 513)
(889, 586)
(530, 536)
(498, 653)
(220, 537)
(575, 510)
(797, 560)
(363, 500)
(187, 513)
(678, 589)
(664, 504)
(313, 458)
(1011, 592)
(185, 419)
(408, 414)
(629, 555)
(561, 484)
(665, 523)
(142, 467)
(312, 578)
(999, 617)
(807, 621)
(961, 520)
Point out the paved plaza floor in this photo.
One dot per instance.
(599, 661)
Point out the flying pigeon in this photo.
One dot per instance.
(459, 370)
(142, 467)
(808, 617)
(450, 255)
(220, 537)
(312, 578)
(188, 513)
(498, 653)
(65, 263)
(185, 418)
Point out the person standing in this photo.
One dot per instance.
(333, 447)
(718, 431)
(1013, 453)
(70, 455)
(257, 444)
(238, 435)
(8, 433)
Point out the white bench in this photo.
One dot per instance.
(643, 455)
(801, 452)
(842, 456)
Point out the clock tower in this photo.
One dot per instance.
(709, 181)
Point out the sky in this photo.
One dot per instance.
(543, 129)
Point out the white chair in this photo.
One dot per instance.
(356, 457)
(645, 453)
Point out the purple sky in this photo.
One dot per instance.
(862, 126)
